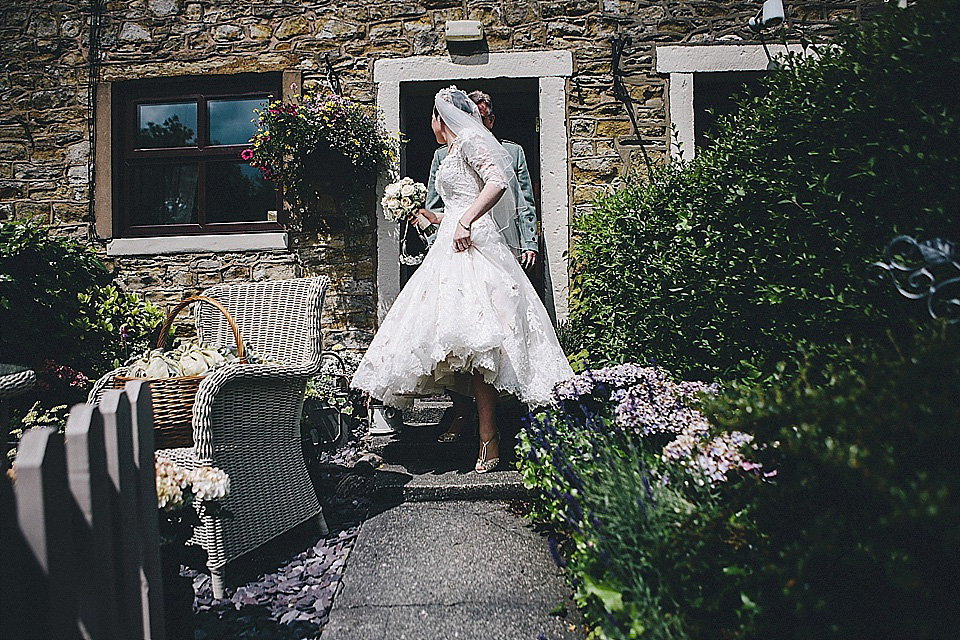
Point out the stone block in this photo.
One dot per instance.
(162, 8)
(292, 26)
(208, 265)
(194, 11)
(36, 171)
(614, 128)
(236, 273)
(531, 35)
(583, 126)
(581, 148)
(260, 32)
(78, 153)
(383, 31)
(133, 32)
(517, 13)
(227, 33)
(262, 272)
(592, 169)
(208, 279)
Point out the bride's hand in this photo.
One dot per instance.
(461, 238)
(429, 215)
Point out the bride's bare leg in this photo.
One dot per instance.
(486, 396)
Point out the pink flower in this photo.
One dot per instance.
(246, 154)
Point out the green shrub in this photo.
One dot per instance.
(655, 548)
(722, 266)
(40, 279)
(57, 308)
(863, 519)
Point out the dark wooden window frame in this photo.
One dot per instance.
(183, 88)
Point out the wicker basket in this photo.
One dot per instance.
(173, 397)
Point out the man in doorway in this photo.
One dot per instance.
(462, 412)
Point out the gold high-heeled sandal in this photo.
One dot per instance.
(450, 436)
(483, 466)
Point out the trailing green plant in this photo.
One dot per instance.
(863, 519)
(723, 266)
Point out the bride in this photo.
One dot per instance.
(468, 318)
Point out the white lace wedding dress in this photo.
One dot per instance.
(465, 312)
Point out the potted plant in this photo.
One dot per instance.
(322, 144)
(179, 490)
(329, 406)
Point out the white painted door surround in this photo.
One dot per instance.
(551, 68)
(681, 62)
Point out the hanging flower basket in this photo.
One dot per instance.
(323, 144)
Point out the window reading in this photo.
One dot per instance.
(180, 170)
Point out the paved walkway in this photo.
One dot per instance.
(447, 554)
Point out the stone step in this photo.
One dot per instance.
(417, 468)
(426, 411)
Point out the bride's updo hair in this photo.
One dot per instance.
(459, 99)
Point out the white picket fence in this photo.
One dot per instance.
(80, 546)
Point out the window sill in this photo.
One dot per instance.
(198, 244)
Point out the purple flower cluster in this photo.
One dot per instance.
(606, 380)
(646, 401)
(52, 376)
(655, 404)
(710, 457)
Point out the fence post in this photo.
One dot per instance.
(91, 489)
(151, 579)
(16, 560)
(115, 410)
(45, 514)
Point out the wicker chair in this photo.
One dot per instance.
(246, 418)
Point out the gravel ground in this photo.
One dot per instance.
(291, 582)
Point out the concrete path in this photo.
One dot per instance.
(441, 570)
(447, 553)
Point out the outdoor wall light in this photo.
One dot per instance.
(770, 15)
(464, 31)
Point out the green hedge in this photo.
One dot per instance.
(724, 265)
(861, 524)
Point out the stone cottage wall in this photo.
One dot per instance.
(46, 121)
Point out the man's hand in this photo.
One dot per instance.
(528, 259)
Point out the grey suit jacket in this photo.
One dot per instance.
(527, 218)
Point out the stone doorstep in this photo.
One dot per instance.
(417, 468)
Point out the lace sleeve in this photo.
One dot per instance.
(478, 156)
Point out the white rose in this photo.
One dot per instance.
(392, 189)
(407, 190)
(406, 202)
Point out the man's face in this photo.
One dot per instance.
(485, 115)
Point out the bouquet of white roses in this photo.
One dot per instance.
(403, 199)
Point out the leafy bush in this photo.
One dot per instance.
(59, 311)
(652, 543)
(40, 279)
(863, 519)
(723, 265)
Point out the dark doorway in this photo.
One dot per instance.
(516, 105)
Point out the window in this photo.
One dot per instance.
(702, 81)
(713, 98)
(178, 164)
